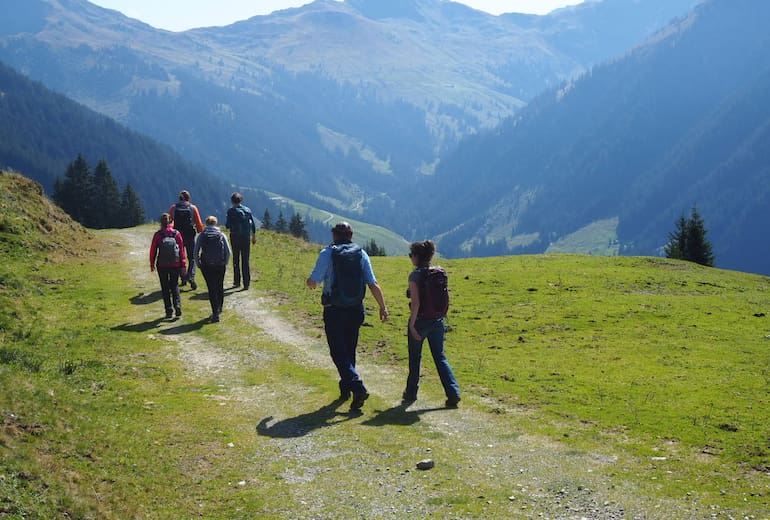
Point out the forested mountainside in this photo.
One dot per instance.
(682, 121)
(344, 105)
(42, 132)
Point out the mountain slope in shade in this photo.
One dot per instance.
(680, 122)
(340, 104)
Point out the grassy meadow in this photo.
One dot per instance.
(644, 379)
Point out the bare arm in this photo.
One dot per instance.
(376, 291)
(414, 307)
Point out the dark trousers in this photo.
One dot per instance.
(342, 325)
(241, 247)
(189, 247)
(215, 281)
(169, 287)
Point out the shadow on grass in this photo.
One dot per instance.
(139, 327)
(305, 423)
(398, 415)
(146, 298)
(186, 328)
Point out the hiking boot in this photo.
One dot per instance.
(193, 285)
(358, 400)
(178, 311)
(408, 399)
(215, 318)
(184, 282)
(169, 314)
(452, 402)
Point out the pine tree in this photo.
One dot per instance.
(132, 212)
(281, 225)
(698, 247)
(74, 193)
(688, 241)
(106, 204)
(677, 240)
(267, 222)
(372, 249)
(297, 227)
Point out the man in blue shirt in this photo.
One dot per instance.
(345, 271)
(241, 224)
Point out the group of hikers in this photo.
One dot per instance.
(176, 251)
(343, 269)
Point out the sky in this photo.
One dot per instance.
(180, 15)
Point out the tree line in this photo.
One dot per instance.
(94, 199)
(296, 227)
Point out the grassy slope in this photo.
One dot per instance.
(660, 365)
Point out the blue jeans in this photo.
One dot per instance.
(342, 325)
(241, 246)
(169, 287)
(434, 331)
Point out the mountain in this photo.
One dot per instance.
(682, 121)
(343, 105)
(42, 132)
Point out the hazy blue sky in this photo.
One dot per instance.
(178, 15)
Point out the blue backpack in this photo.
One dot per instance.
(348, 287)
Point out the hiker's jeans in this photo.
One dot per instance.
(169, 287)
(215, 282)
(241, 246)
(342, 325)
(434, 331)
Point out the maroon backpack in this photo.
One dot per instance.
(434, 293)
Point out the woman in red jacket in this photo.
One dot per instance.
(167, 252)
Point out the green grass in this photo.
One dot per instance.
(661, 366)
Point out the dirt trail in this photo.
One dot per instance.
(540, 478)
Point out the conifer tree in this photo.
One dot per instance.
(688, 241)
(106, 204)
(372, 249)
(267, 222)
(131, 209)
(281, 225)
(297, 227)
(698, 247)
(74, 193)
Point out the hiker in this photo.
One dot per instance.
(187, 220)
(212, 253)
(241, 224)
(167, 252)
(345, 270)
(429, 300)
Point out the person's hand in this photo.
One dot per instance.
(152, 268)
(253, 239)
(415, 334)
(384, 314)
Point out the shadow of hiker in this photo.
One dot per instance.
(200, 296)
(305, 423)
(139, 327)
(398, 415)
(146, 298)
(184, 329)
